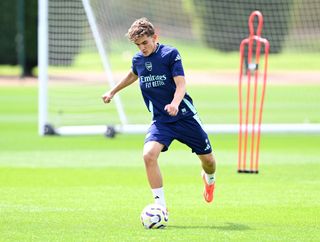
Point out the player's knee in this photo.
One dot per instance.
(210, 164)
(149, 158)
(208, 160)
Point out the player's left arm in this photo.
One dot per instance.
(173, 107)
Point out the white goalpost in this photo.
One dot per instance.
(44, 126)
(104, 57)
(81, 48)
(43, 65)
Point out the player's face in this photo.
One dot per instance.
(147, 44)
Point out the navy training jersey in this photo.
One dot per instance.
(156, 73)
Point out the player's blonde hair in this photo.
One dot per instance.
(139, 28)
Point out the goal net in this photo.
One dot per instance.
(83, 51)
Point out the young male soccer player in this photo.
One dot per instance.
(162, 82)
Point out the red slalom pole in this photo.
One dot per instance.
(256, 75)
(240, 104)
(266, 46)
(252, 68)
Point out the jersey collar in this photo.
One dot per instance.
(158, 47)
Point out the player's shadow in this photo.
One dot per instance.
(226, 227)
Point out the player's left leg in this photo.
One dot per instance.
(190, 132)
(209, 167)
(208, 163)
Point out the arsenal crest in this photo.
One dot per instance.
(148, 66)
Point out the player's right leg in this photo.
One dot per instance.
(151, 153)
(158, 138)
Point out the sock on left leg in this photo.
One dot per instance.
(210, 178)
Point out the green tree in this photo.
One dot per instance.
(10, 38)
(225, 23)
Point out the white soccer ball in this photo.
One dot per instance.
(154, 216)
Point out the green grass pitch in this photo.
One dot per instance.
(93, 189)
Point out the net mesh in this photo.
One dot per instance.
(76, 75)
(288, 25)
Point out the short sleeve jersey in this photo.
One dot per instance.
(157, 85)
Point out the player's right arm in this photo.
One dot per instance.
(128, 80)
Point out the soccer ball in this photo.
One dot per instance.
(154, 216)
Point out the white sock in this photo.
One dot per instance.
(210, 178)
(158, 195)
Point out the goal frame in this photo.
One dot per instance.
(44, 128)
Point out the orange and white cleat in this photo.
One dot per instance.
(208, 189)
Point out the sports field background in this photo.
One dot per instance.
(90, 188)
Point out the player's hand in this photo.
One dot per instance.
(107, 97)
(171, 109)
